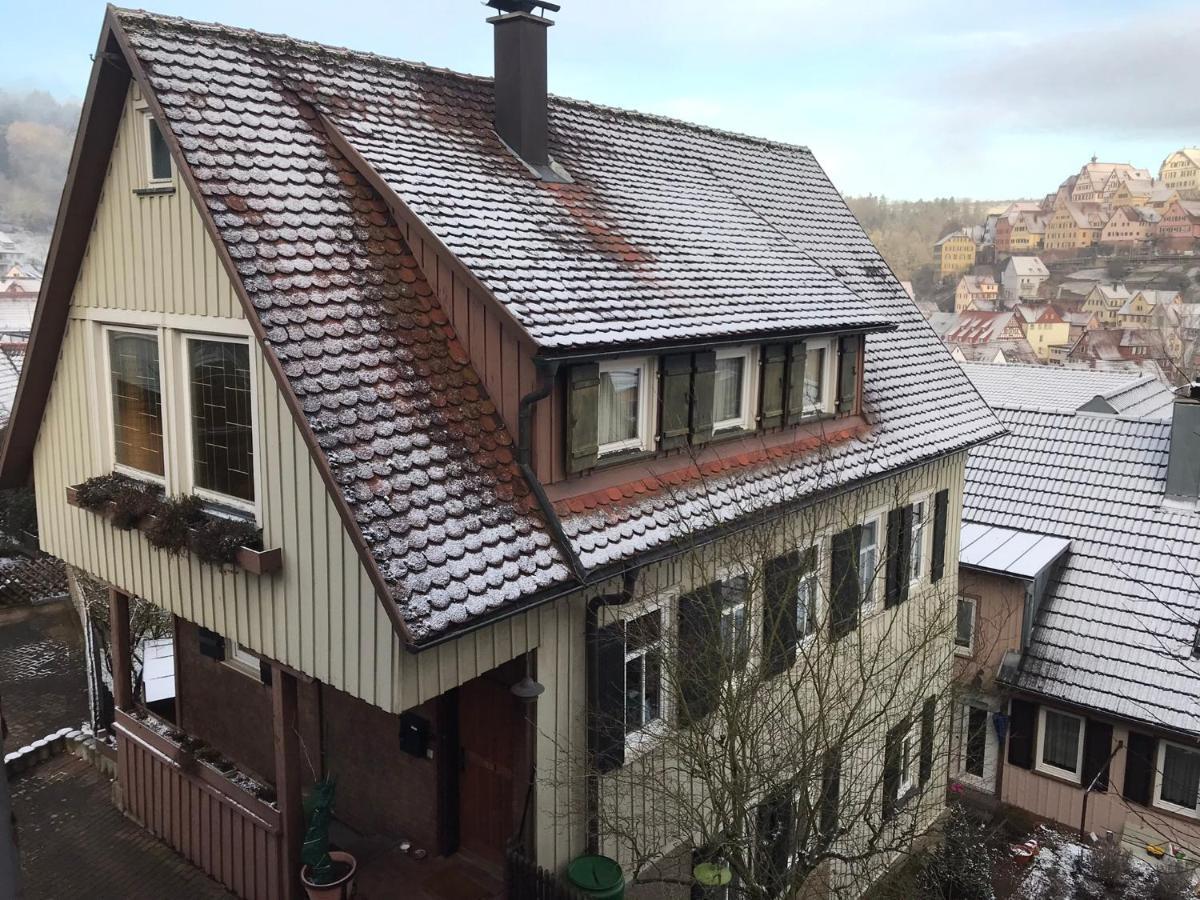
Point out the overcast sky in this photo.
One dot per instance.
(907, 99)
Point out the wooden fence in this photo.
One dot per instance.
(526, 880)
(217, 826)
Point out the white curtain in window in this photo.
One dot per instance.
(727, 389)
(814, 379)
(618, 405)
(1061, 746)
(1181, 776)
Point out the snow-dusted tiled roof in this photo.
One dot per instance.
(1049, 388)
(1116, 628)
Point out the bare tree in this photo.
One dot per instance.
(769, 709)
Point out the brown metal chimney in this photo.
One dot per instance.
(520, 81)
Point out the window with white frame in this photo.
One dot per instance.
(908, 761)
(643, 672)
(158, 155)
(916, 557)
(1060, 743)
(135, 389)
(816, 377)
(964, 627)
(734, 623)
(733, 389)
(220, 417)
(1178, 778)
(238, 657)
(624, 406)
(806, 594)
(868, 560)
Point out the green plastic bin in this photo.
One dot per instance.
(597, 876)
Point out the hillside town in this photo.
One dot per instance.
(1099, 273)
(419, 485)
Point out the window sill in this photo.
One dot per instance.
(1056, 774)
(160, 190)
(638, 743)
(248, 559)
(1181, 812)
(964, 652)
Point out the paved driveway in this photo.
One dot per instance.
(43, 683)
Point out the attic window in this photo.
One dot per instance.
(158, 154)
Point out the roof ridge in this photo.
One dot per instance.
(286, 40)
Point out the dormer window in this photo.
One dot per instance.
(732, 389)
(622, 423)
(815, 379)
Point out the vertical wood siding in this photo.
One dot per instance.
(224, 832)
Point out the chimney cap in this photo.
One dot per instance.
(522, 6)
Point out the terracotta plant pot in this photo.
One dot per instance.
(342, 889)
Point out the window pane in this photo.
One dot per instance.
(976, 740)
(160, 156)
(222, 436)
(965, 625)
(867, 562)
(814, 380)
(918, 541)
(137, 401)
(806, 598)
(634, 693)
(727, 390)
(619, 405)
(1061, 746)
(1180, 776)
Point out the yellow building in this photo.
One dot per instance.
(1133, 192)
(1043, 327)
(1028, 233)
(1181, 171)
(1073, 227)
(1105, 302)
(976, 292)
(954, 254)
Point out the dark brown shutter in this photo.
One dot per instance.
(928, 727)
(891, 769)
(780, 576)
(843, 582)
(212, 644)
(941, 508)
(795, 382)
(608, 722)
(265, 672)
(676, 400)
(831, 795)
(1097, 746)
(892, 574)
(705, 367)
(1141, 759)
(583, 403)
(847, 395)
(906, 529)
(1022, 732)
(774, 371)
(699, 655)
(773, 838)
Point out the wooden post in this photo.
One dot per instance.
(287, 776)
(118, 630)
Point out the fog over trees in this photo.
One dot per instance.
(36, 132)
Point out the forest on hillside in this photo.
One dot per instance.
(36, 132)
(905, 230)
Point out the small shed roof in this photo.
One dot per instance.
(1008, 551)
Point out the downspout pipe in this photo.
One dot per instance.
(591, 637)
(547, 371)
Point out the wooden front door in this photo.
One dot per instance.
(490, 730)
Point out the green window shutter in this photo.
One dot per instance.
(704, 372)
(699, 681)
(892, 573)
(847, 374)
(583, 402)
(676, 399)
(780, 579)
(843, 577)
(902, 565)
(941, 509)
(795, 383)
(774, 371)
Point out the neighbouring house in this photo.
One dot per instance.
(1071, 389)
(954, 253)
(466, 462)
(1022, 278)
(1003, 239)
(1179, 227)
(1145, 348)
(1044, 328)
(976, 292)
(1105, 302)
(1180, 171)
(1079, 322)
(1133, 192)
(1138, 310)
(983, 336)
(1078, 620)
(1028, 233)
(1073, 227)
(10, 253)
(1129, 226)
(1097, 182)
